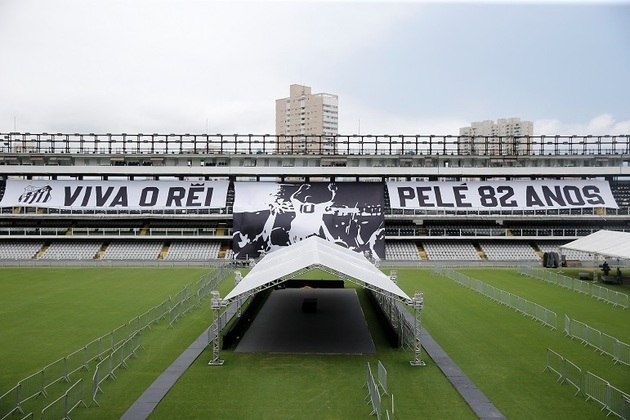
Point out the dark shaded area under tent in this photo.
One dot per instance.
(337, 326)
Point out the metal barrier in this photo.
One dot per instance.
(595, 389)
(533, 310)
(64, 405)
(598, 292)
(592, 386)
(612, 399)
(618, 402)
(374, 395)
(102, 348)
(565, 369)
(376, 388)
(181, 308)
(404, 328)
(11, 398)
(106, 368)
(382, 377)
(604, 343)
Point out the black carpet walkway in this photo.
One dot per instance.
(144, 406)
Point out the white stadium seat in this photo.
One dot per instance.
(450, 250)
(133, 250)
(72, 250)
(194, 250)
(19, 250)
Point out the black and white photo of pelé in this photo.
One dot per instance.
(273, 215)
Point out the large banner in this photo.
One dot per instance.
(115, 195)
(269, 215)
(500, 195)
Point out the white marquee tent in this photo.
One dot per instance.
(607, 243)
(309, 254)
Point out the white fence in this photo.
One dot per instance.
(604, 343)
(591, 386)
(601, 293)
(524, 306)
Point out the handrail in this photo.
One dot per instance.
(267, 144)
(228, 211)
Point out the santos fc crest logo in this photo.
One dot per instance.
(33, 195)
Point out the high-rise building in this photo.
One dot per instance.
(305, 122)
(508, 136)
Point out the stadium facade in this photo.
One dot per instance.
(438, 178)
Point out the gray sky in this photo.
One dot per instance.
(182, 66)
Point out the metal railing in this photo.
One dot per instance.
(65, 404)
(107, 347)
(228, 211)
(533, 310)
(117, 358)
(604, 343)
(39, 211)
(600, 293)
(621, 211)
(376, 390)
(252, 144)
(202, 233)
(395, 314)
(374, 395)
(613, 400)
(455, 232)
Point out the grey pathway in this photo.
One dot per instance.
(152, 396)
(144, 406)
(478, 402)
(482, 406)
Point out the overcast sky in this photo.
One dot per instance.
(182, 66)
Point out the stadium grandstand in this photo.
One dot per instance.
(419, 179)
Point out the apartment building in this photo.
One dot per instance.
(506, 136)
(306, 123)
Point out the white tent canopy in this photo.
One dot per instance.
(312, 253)
(607, 243)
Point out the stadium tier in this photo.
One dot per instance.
(451, 250)
(417, 199)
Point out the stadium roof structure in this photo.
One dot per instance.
(316, 253)
(607, 243)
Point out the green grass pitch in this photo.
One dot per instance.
(47, 313)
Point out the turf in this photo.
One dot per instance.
(309, 387)
(47, 313)
(503, 352)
